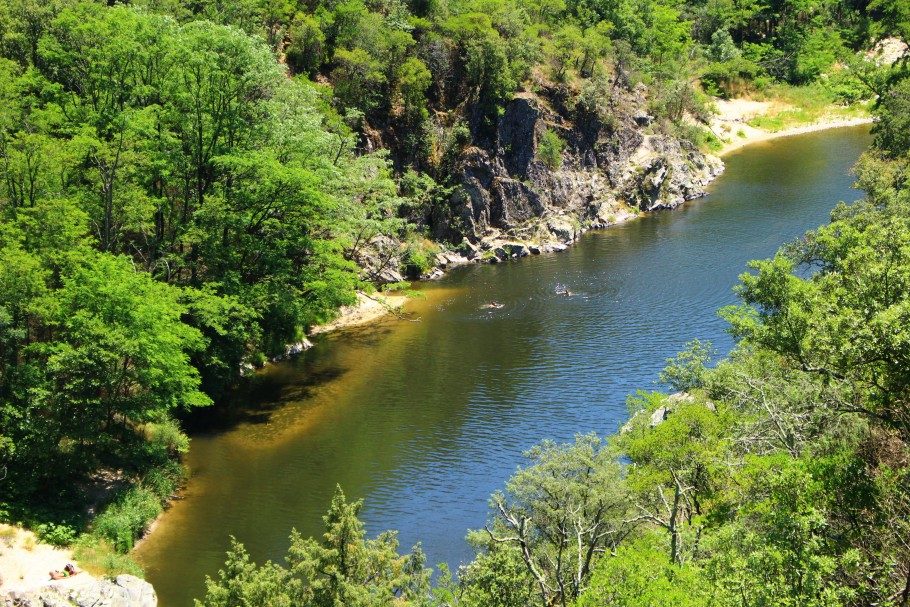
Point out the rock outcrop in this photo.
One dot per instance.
(614, 164)
(123, 591)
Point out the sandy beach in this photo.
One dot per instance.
(731, 123)
(25, 563)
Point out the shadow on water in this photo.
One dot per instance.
(260, 395)
(425, 419)
(255, 402)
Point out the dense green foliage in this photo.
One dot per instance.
(187, 187)
(172, 208)
(778, 477)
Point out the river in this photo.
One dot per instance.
(425, 416)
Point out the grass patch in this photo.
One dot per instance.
(802, 105)
(99, 557)
(8, 536)
(701, 137)
(125, 520)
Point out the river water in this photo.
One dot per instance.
(425, 416)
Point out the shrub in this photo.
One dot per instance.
(164, 480)
(56, 534)
(418, 258)
(126, 519)
(167, 440)
(699, 136)
(550, 148)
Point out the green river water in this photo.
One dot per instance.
(425, 416)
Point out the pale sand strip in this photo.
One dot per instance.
(367, 309)
(754, 135)
(730, 123)
(25, 562)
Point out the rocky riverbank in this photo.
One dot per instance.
(514, 206)
(515, 196)
(84, 590)
(25, 581)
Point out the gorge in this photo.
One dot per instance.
(424, 416)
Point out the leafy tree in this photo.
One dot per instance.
(561, 513)
(550, 148)
(679, 449)
(343, 568)
(687, 370)
(777, 552)
(306, 50)
(892, 131)
(639, 575)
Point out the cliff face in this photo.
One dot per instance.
(508, 202)
(613, 164)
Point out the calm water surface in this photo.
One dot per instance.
(425, 417)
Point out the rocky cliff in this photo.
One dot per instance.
(614, 162)
(511, 200)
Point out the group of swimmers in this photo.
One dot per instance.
(495, 305)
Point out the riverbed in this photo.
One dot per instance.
(425, 415)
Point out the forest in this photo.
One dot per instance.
(186, 188)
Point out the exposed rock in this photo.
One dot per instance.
(659, 415)
(124, 591)
(680, 397)
(515, 249)
(667, 172)
(608, 166)
(562, 228)
(389, 275)
(298, 347)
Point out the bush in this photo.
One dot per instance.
(126, 519)
(845, 87)
(550, 148)
(699, 136)
(166, 440)
(418, 258)
(56, 534)
(164, 480)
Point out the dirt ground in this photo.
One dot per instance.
(25, 563)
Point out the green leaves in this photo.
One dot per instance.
(343, 568)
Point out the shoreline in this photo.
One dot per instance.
(760, 135)
(730, 125)
(371, 308)
(367, 309)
